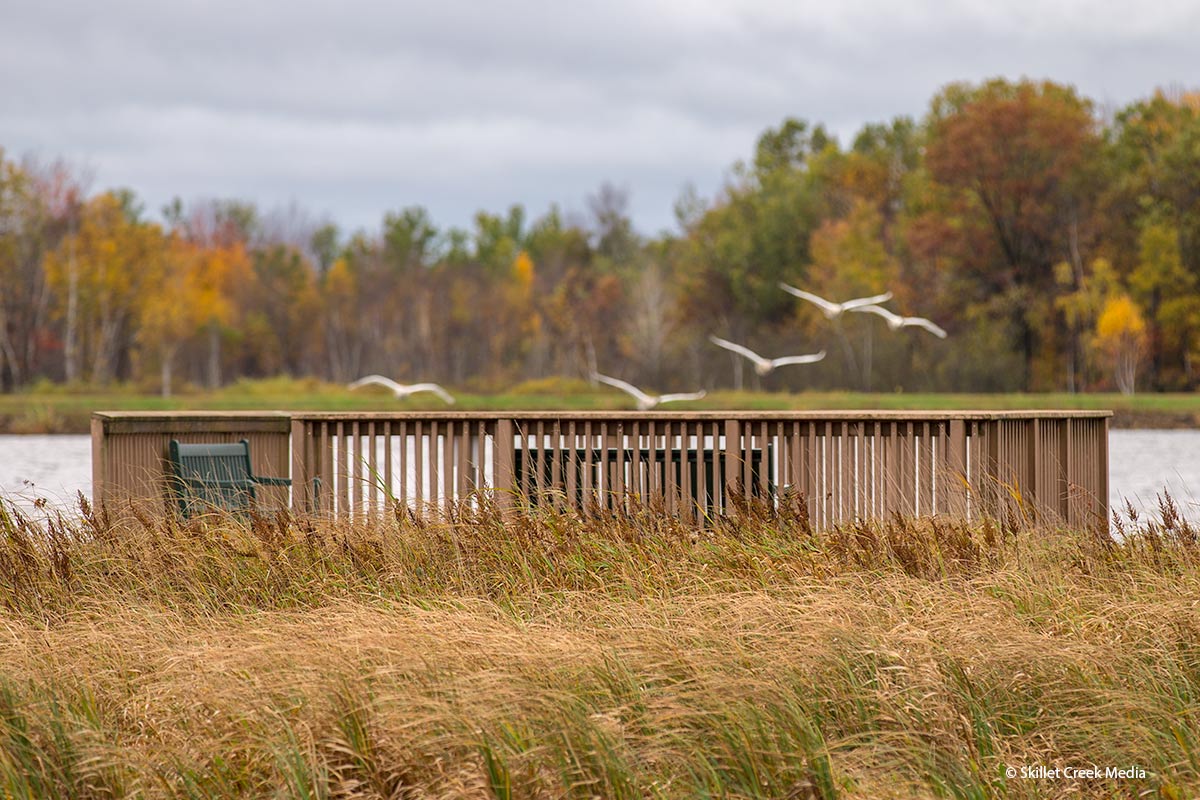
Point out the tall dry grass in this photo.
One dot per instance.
(633, 656)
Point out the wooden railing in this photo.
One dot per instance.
(129, 449)
(843, 465)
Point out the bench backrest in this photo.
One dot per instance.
(211, 476)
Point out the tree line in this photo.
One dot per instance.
(1059, 245)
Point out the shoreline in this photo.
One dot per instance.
(69, 411)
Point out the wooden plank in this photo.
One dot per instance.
(685, 493)
(1105, 511)
(355, 456)
(373, 487)
(956, 467)
(573, 464)
(607, 480)
(700, 495)
(764, 466)
(837, 468)
(418, 458)
(654, 493)
(619, 466)
(733, 447)
(403, 463)
(342, 469)
(637, 486)
(589, 456)
(100, 476)
(925, 464)
(432, 460)
(448, 457)
(503, 476)
(299, 472)
(907, 464)
(538, 456)
(555, 451)
(326, 456)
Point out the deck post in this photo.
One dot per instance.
(503, 472)
(301, 502)
(956, 467)
(733, 451)
(99, 464)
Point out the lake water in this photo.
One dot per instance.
(1142, 463)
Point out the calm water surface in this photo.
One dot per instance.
(1141, 464)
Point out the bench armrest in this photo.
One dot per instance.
(271, 481)
(211, 484)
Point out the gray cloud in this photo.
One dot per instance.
(355, 108)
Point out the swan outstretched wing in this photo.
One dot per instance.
(921, 322)
(859, 302)
(378, 380)
(821, 302)
(676, 398)
(811, 358)
(742, 351)
(430, 387)
(893, 320)
(627, 388)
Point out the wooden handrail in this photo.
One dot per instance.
(1034, 464)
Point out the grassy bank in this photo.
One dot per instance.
(626, 657)
(63, 410)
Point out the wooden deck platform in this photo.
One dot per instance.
(844, 465)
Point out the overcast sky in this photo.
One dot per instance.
(350, 109)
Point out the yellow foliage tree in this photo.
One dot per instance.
(851, 260)
(1121, 334)
(523, 320)
(221, 271)
(102, 272)
(174, 307)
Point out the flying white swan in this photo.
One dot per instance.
(645, 401)
(401, 390)
(895, 322)
(764, 366)
(835, 310)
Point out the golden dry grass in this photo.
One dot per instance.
(552, 656)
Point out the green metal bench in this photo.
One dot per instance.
(208, 477)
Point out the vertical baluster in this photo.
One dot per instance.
(926, 469)
(341, 470)
(419, 465)
(388, 487)
(572, 465)
(540, 459)
(556, 455)
(453, 455)
(606, 485)
(403, 463)
(619, 482)
(462, 467)
(590, 484)
(697, 479)
(432, 462)
(525, 479)
(372, 487)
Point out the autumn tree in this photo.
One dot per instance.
(100, 274)
(1121, 335)
(167, 317)
(756, 234)
(39, 206)
(1020, 157)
